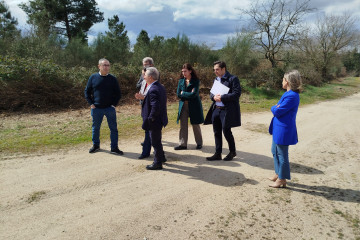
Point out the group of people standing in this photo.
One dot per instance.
(103, 94)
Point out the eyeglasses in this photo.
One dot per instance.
(106, 65)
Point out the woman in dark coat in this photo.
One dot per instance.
(189, 106)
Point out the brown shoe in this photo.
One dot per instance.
(279, 183)
(274, 178)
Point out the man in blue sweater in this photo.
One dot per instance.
(103, 93)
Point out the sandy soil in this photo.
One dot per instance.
(77, 195)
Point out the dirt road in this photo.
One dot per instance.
(77, 195)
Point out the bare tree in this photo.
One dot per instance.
(331, 34)
(276, 24)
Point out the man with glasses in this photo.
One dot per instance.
(103, 93)
(224, 112)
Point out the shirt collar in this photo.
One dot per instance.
(152, 83)
(102, 75)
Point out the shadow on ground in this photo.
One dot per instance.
(210, 174)
(330, 193)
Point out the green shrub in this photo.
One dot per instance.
(31, 84)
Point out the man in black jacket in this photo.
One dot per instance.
(103, 93)
(224, 112)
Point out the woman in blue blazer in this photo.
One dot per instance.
(283, 127)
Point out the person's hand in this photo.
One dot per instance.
(92, 106)
(181, 92)
(217, 98)
(139, 96)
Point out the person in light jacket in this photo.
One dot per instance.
(283, 127)
(189, 106)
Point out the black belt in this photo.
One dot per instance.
(219, 107)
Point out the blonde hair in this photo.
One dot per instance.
(293, 77)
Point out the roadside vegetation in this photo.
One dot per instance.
(44, 69)
(28, 133)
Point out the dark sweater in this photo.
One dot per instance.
(102, 91)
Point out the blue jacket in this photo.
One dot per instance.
(283, 124)
(231, 102)
(153, 111)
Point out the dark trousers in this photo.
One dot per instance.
(155, 136)
(147, 144)
(218, 117)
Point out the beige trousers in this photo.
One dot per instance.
(183, 134)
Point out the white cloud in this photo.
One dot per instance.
(132, 36)
(182, 9)
(131, 6)
(209, 10)
(341, 7)
(17, 12)
(157, 8)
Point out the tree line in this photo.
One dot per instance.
(53, 57)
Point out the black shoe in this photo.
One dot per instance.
(180, 148)
(154, 166)
(199, 146)
(215, 157)
(164, 160)
(142, 144)
(143, 156)
(117, 151)
(94, 148)
(230, 156)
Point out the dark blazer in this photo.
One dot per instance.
(231, 102)
(153, 111)
(283, 123)
(190, 94)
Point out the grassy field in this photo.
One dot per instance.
(35, 133)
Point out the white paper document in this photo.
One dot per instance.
(219, 88)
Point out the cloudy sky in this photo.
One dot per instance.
(203, 21)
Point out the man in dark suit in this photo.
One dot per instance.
(224, 112)
(154, 114)
(141, 86)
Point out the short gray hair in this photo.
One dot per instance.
(152, 72)
(293, 77)
(103, 60)
(149, 60)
